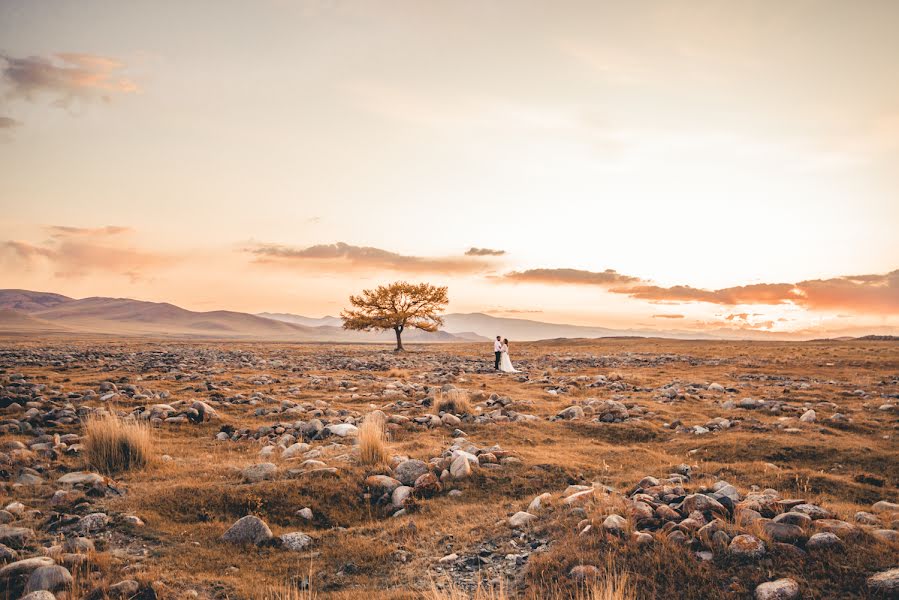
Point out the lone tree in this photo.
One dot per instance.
(397, 306)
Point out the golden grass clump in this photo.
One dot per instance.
(373, 440)
(453, 401)
(113, 445)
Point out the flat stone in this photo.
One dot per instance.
(886, 582)
(259, 472)
(521, 518)
(780, 589)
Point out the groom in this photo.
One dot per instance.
(497, 351)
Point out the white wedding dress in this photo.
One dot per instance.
(505, 363)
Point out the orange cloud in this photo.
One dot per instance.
(877, 294)
(66, 76)
(345, 255)
(569, 276)
(867, 294)
(874, 294)
(667, 316)
(75, 252)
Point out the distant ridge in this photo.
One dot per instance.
(24, 312)
(27, 312)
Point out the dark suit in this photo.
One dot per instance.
(496, 363)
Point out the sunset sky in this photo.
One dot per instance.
(680, 165)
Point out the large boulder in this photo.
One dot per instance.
(51, 578)
(248, 530)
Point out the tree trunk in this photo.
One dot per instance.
(399, 339)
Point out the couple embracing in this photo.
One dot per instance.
(501, 351)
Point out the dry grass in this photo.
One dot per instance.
(452, 592)
(453, 401)
(612, 584)
(372, 440)
(289, 592)
(188, 502)
(113, 445)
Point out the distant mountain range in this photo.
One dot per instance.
(25, 312)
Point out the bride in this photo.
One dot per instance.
(505, 364)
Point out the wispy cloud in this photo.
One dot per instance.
(65, 77)
(8, 123)
(569, 276)
(65, 230)
(342, 255)
(74, 252)
(758, 293)
(668, 316)
(484, 252)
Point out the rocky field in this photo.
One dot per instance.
(694, 470)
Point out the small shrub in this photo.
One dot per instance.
(453, 401)
(372, 440)
(113, 445)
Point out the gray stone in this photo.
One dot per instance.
(886, 582)
(248, 530)
(746, 547)
(24, 567)
(780, 589)
(80, 478)
(51, 578)
(520, 519)
(410, 470)
(823, 541)
(39, 595)
(259, 472)
(295, 541)
(15, 537)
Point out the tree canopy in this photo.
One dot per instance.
(397, 306)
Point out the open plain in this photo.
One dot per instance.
(681, 469)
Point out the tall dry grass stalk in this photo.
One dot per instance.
(610, 584)
(453, 401)
(454, 593)
(373, 440)
(287, 592)
(113, 445)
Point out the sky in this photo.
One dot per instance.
(691, 165)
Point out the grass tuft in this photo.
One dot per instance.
(113, 445)
(453, 401)
(372, 440)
